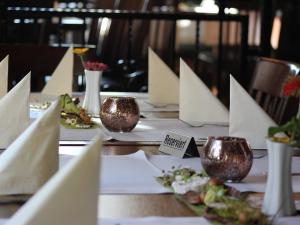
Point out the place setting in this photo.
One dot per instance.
(146, 130)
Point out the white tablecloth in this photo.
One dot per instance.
(135, 173)
(141, 98)
(151, 130)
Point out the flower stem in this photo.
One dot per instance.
(82, 62)
(298, 113)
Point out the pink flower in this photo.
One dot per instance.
(95, 66)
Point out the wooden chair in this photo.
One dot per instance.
(115, 45)
(266, 88)
(115, 49)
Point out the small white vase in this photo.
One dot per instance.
(278, 199)
(91, 100)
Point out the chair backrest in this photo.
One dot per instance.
(268, 80)
(114, 45)
(110, 46)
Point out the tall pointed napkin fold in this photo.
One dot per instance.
(163, 82)
(61, 81)
(70, 197)
(197, 104)
(247, 118)
(14, 112)
(33, 157)
(3, 76)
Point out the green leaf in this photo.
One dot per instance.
(68, 105)
(274, 130)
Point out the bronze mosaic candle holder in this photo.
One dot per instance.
(119, 114)
(227, 158)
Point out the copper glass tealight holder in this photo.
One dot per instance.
(227, 158)
(119, 114)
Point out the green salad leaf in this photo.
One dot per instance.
(73, 116)
(68, 105)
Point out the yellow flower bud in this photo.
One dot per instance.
(80, 51)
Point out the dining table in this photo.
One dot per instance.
(128, 205)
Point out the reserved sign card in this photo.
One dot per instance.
(179, 145)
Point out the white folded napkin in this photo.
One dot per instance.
(3, 76)
(14, 112)
(61, 81)
(163, 83)
(197, 104)
(247, 118)
(70, 197)
(33, 157)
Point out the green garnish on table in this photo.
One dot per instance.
(75, 125)
(73, 116)
(214, 200)
(168, 177)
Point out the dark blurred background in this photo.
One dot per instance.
(37, 44)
